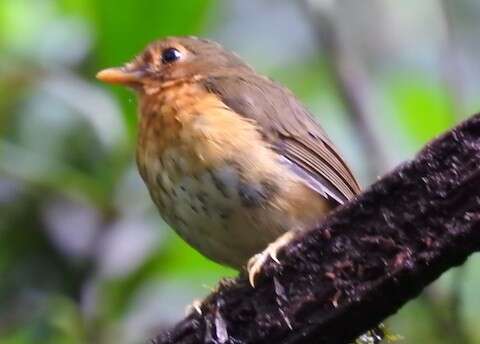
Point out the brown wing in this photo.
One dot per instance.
(291, 130)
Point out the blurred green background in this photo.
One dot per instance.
(84, 256)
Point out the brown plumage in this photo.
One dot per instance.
(232, 159)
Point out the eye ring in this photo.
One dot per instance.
(170, 55)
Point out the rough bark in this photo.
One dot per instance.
(363, 262)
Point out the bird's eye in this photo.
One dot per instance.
(171, 55)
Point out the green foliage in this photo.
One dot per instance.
(424, 106)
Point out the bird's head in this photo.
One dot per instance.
(174, 59)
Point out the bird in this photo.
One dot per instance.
(233, 161)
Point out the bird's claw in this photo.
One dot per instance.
(255, 264)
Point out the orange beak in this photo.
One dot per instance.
(120, 76)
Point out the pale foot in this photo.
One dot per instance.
(254, 265)
(195, 306)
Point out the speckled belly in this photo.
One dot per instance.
(219, 214)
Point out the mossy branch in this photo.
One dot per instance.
(364, 262)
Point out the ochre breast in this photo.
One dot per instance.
(214, 179)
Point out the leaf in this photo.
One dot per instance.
(423, 107)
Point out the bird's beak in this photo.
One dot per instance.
(120, 76)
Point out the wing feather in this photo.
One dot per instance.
(290, 129)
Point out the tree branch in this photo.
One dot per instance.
(364, 262)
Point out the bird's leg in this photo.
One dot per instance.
(254, 265)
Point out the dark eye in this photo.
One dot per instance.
(171, 55)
